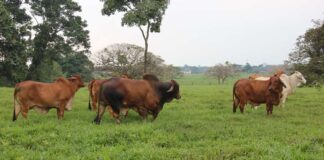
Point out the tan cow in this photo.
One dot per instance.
(44, 96)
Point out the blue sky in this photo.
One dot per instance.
(208, 32)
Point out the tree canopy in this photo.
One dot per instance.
(41, 36)
(308, 55)
(14, 33)
(118, 59)
(139, 13)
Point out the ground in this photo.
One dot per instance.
(199, 126)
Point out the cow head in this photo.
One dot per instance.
(300, 78)
(276, 85)
(76, 79)
(173, 91)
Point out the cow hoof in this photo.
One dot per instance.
(96, 122)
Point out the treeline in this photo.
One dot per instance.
(40, 40)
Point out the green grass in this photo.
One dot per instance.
(199, 126)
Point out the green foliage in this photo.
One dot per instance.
(308, 56)
(201, 125)
(77, 64)
(48, 71)
(139, 13)
(14, 30)
(59, 33)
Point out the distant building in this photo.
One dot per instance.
(186, 72)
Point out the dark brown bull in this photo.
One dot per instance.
(93, 88)
(256, 92)
(44, 96)
(144, 96)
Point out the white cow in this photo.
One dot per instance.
(291, 82)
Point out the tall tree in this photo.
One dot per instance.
(308, 55)
(140, 13)
(14, 33)
(59, 34)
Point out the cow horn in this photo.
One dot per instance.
(171, 88)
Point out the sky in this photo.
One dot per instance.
(208, 32)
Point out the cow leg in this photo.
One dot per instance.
(269, 109)
(100, 113)
(235, 104)
(116, 114)
(24, 110)
(111, 112)
(17, 109)
(60, 112)
(283, 100)
(242, 107)
(94, 103)
(124, 111)
(143, 113)
(155, 114)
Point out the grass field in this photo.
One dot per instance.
(199, 126)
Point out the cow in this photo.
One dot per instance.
(291, 82)
(44, 96)
(256, 92)
(94, 87)
(144, 96)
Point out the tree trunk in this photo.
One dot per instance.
(145, 56)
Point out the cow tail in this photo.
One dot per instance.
(90, 93)
(17, 89)
(234, 96)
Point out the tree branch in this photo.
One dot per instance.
(142, 31)
(148, 30)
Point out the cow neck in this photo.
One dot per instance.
(161, 88)
(292, 82)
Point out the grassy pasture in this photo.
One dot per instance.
(199, 126)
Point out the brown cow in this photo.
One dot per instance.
(93, 88)
(256, 92)
(144, 96)
(44, 96)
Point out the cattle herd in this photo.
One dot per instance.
(145, 96)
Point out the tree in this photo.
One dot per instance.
(77, 64)
(59, 34)
(14, 33)
(128, 59)
(139, 13)
(308, 55)
(247, 68)
(222, 72)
